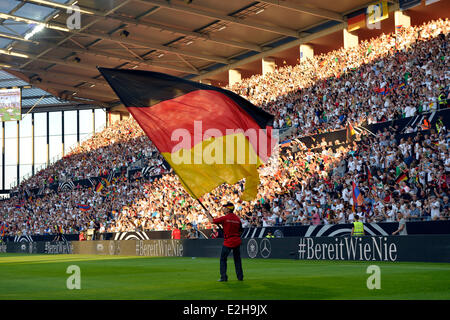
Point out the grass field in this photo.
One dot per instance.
(119, 277)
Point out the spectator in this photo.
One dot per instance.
(401, 226)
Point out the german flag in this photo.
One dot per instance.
(99, 187)
(369, 174)
(208, 135)
(106, 182)
(356, 20)
(401, 177)
(369, 180)
(350, 132)
(103, 182)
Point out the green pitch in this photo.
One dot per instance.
(117, 277)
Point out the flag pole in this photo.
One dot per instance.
(192, 194)
(203, 206)
(365, 129)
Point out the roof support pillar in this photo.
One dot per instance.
(306, 52)
(268, 65)
(115, 116)
(350, 39)
(234, 75)
(401, 19)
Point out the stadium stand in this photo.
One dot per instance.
(118, 146)
(394, 76)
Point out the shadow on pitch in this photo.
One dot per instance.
(279, 290)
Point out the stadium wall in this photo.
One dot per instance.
(329, 230)
(430, 248)
(417, 248)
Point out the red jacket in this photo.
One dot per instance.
(176, 234)
(232, 228)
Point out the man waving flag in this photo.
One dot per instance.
(208, 135)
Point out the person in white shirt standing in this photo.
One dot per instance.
(435, 208)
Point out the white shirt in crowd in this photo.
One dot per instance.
(435, 206)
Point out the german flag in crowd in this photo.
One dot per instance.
(99, 187)
(372, 186)
(208, 135)
(103, 182)
(356, 20)
(402, 177)
(369, 174)
(350, 132)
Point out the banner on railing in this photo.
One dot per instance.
(417, 248)
(321, 230)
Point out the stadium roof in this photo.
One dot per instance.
(191, 39)
(36, 99)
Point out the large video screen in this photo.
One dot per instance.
(10, 104)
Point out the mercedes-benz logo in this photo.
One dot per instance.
(266, 248)
(111, 247)
(252, 248)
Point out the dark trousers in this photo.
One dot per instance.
(237, 262)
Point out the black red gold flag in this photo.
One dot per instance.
(208, 135)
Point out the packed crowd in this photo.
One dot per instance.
(388, 77)
(119, 145)
(311, 186)
(392, 76)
